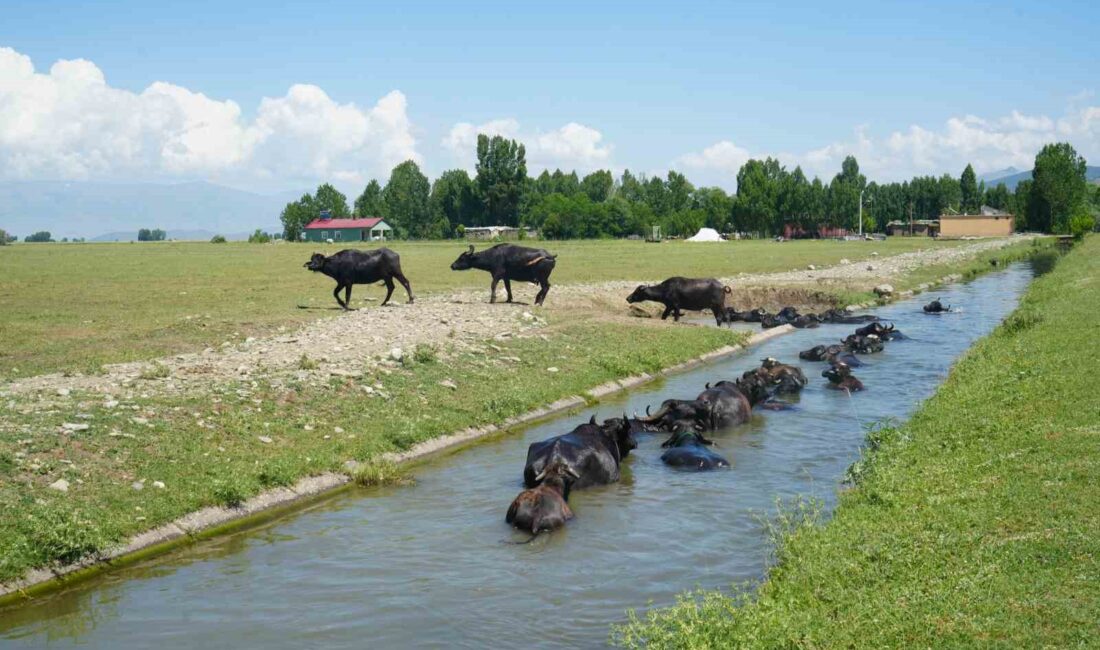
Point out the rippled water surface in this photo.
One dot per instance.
(425, 566)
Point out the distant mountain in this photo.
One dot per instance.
(87, 209)
(185, 235)
(1000, 173)
(1091, 173)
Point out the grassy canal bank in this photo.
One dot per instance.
(129, 465)
(974, 524)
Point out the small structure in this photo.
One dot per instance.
(325, 228)
(486, 233)
(919, 227)
(705, 235)
(988, 222)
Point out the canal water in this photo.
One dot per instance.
(428, 565)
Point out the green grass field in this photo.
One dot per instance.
(74, 307)
(973, 525)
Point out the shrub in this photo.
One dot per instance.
(1080, 224)
(425, 354)
(217, 239)
(259, 237)
(4, 237)
(230, 492)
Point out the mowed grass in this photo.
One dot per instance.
(74, 307)
(976, 524)
(226, 446)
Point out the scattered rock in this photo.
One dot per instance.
(110, 404)
(396, 354)
(61, 485)
(552, 369)
(874, 253)
(308, 427)
(74, 426)
(845, 261)
(369, 390)
(63, 392)
(884, 290)
(158, 485)
(266, 440)
(140, 420)
(447, 383)
(337, 429)
(341, 372)
(528, 316)
(811, 267)
(137, 486)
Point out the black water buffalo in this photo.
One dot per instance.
(350, 267)
(860, 344)
(841, 317)
(509, 262)
(687, 450)
(841, 378)
(830, 353)
(721, 406)
(544, 507)
(592, 452)
(884, 332)
(936, 307)
(685, 293)
(755, 315)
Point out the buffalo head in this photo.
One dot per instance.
(622, 433)
(316, 262)
(837, 372)
(465, 260)
(641, 294)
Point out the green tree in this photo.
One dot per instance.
(501, 178)
(296, 215)
(757, 195)
(970, 197)
(5, 238)
(406, 198)
(454, 200)
(38, 237)
(329, 198)
(679, 192)
(998, 197)
(1060, 185)
(144, 234)
(259, 237)
(369, 203)
(598, 185)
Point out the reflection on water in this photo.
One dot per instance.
(426, 565)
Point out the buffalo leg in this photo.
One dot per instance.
(676, 314)
(718, 315)
(336, 294)
(541, 297)
(508, 289)
(389, 289)
(347, 297)
(668, 310)
(493, 290)
(405, 283)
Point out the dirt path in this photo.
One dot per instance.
(356, 343)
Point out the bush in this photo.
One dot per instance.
(4, 237)
(40, 236)
(1080, 224)
(259, 237)
(217, 239)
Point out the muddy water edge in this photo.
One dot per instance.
(429, 564)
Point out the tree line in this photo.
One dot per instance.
(770, 200)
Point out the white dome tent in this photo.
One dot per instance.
(705, 234)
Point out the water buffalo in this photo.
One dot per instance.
(830, 353)
(841, 378)
(685, 293)
(840, 317)
(884, 332)
(936, 307)
(859, 344)
(350, 267)
(544, 507)
(721, 406)
(685, 449)
(755, 315)
(592, 452)
(509, 262)
(780, 378)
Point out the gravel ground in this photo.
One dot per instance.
(352, 344)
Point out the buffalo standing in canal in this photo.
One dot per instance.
(687, 450)
(685, 293)
(936, 307)
(591, 452)
(509, 262)
(350, 267)
(544, 507)
(841, 378)
(721, 406)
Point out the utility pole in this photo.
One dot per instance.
(910, 218)
(861, 212)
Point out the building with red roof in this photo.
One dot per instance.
(325, 228)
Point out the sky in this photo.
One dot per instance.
(271, 99)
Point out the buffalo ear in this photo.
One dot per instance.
(471, 249)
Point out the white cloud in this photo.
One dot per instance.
(987, 144)
(573, 146)
(70, 124)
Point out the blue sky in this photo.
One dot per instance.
(693, 85)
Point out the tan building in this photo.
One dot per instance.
(989, 222)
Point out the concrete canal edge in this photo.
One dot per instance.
(213, 521)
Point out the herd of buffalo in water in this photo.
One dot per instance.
(592, 453)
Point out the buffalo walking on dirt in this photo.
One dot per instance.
(509, 262)
(676, 294)
(350, 267)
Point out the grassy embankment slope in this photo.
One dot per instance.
(973, 525)
(244, 437)
(74, 307)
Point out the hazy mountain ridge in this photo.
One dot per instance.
(1092, 173)
(90, 209)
